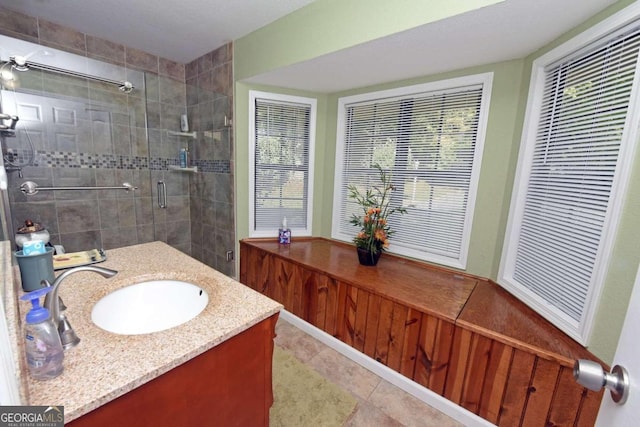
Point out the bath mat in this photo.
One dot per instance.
(302, 397)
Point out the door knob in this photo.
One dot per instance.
(592, 376)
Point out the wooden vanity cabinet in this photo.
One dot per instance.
(228, 385)
(462, 337)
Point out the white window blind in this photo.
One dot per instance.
(555, 246)
(428, 138)
(283, 128)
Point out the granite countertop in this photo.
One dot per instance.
(104, 366)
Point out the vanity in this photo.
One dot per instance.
(213, 369)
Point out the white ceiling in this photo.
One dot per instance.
(508, 30)
(183, 30)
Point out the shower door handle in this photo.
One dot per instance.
(162, 195)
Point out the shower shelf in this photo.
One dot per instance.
(193, 134)
(192, 169)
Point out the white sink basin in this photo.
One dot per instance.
(149, 307)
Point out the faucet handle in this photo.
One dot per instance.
(52, 303)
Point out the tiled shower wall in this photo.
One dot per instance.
(209, 105)
(199, 206)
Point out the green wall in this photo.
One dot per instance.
(241, 155)
(492, 202)
(506, 115)
(500, 141)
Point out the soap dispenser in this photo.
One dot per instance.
(284, 233)
(43, 346)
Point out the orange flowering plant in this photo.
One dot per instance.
(374, 229)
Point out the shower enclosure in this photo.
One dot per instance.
(85, 123)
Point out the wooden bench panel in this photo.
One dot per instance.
(433, 353)
(410, 343)
(508, 368)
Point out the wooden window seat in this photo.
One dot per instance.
(461, 336)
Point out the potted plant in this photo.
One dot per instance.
(374, 234)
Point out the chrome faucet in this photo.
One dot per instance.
(52, 303)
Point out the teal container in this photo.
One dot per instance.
(34, 268)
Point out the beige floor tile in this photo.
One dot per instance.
(380, 404)
(302, 345)
(368, 415)
(345, 373)
(407, 409)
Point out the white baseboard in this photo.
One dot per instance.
(432, 399)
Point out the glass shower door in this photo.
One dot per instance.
(78, 132)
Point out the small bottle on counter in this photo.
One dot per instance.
(284, 233)
(43, 346)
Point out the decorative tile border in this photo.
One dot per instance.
(62, 159)
(215, 166)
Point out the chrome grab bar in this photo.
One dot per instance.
(30, 188)
(162, 190)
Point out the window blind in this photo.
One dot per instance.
(281, 172)
(571, 172)
(428, 141)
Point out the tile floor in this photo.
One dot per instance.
(379, 402)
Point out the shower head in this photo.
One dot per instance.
(6, 75)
